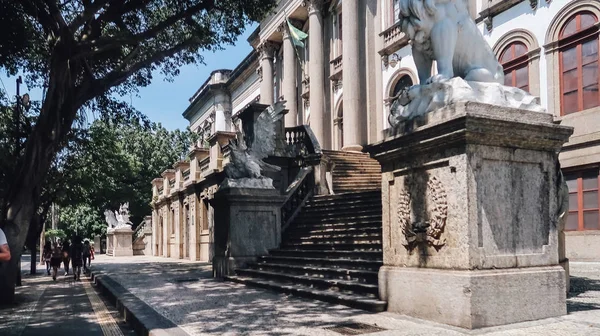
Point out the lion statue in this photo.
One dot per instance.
(442, 30)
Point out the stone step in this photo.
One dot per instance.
(359, 236)
(329, 254)
(309, 241)
(361, 276)
(356, 264)
(347, 299)
(349, 204)
(338, 218)
(356, 246)
(341, 231)
(336, 225)
(345, 208)
(358, 165)
(337, 153)
(333, 284)
(356, 185)
(339, 213)
(358, 177)
(348, 189)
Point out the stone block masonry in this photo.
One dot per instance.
(470, 232)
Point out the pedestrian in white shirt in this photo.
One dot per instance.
(4, 250)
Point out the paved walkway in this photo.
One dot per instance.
(64, 307)
(185, 293)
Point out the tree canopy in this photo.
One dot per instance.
(83, 53)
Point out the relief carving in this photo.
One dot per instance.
(424, 224)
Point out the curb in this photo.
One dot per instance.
(144, 319)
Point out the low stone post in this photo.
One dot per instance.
(470, 227)
(247, 224)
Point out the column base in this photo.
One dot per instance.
(225, 266)
(475, 299)
(352, 148)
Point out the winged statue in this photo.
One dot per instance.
(246, 162)
(111, 219)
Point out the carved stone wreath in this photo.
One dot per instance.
(429, 225)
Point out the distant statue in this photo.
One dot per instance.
(246, 164)
(118, 219)
(467, 69)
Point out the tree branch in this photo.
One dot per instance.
(117, 77)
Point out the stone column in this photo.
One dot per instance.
(289, 78)
(354, 110)
(267, 52)
(317, 70)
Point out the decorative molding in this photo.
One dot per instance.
(337, 85)
(489, 23)
(533, 4)
(427, 225)
(259, 73)
(315, 6)
(267, 49)
(394, 60)
(385, 59)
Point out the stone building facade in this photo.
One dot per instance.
(354, 60)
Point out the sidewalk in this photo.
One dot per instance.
(187, 296)
(64, 307)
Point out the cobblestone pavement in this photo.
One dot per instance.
(64, 307)
(185, 293)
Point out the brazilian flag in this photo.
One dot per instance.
(297, 35)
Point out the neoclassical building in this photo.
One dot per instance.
(340, 83)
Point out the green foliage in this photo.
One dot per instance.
(52, 235)
(115, 163)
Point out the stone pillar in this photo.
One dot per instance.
(267, 53)
(355, 134)
(289, 78)
(317, 70)
(177, 219)
(470, 216)
(247, 224)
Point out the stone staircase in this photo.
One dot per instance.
(333, 250)
(354, 171)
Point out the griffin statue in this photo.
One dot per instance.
(246, 163)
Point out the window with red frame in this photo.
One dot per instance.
(584, 203)
(579, 63)
(515, 61)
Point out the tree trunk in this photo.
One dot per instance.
(54, 122)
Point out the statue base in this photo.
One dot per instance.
(119, 242)
(470, 216)
(248, 183)
(247, 225)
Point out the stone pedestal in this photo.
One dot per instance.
(97, 244)
(119, 243)
(470, 232)
(247, 225)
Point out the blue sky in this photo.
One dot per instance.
(162, 101)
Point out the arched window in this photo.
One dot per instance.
(515, 61)
(579, 66)
(403, 82)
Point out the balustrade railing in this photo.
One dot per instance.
(139, 231)
(301, 140)
(186, 174)
(336, 67)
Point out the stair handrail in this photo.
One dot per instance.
(139, 230)
(297, 193)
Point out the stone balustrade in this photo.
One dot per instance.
(336, 68)
(393, 39)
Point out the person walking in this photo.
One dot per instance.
(87, 255)
(47, 255)
(56, 258)
(4, 249)
(66, 248)
(76, 255)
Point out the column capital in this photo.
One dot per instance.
(267, 49)
(315, 6)
(283, 27)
